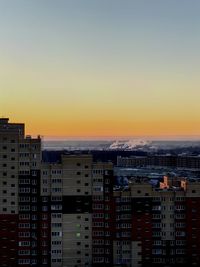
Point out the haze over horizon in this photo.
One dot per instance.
(121, 138)
(101, 68)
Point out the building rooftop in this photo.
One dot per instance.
(4, 120)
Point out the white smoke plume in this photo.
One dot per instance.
(129, 145)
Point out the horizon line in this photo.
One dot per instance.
(123, 138)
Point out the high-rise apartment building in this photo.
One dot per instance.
(78, 192)
(102, 214)
(46, 209)
(157, 226)
(20, 159)
(67, 187)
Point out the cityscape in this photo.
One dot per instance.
(79, 208)
(99, 133)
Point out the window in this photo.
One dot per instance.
(56, 190)
(56, 251)
(44, 217)
(24, 244)
(56, 181)
(56, 242)
(34, 199)
(34, 208)
(107, 181)
(44, 208)
(24, 216)
(24, 181)
(56, 215)
(24, 261)
(56, 207)
(56, 198)
(56, 234)
(24, 208)
(44, 234)
(24, 225)
(24, 234)
(56, 224)
(180, 233)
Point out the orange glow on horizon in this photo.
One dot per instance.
(105, 70)
(106, 129)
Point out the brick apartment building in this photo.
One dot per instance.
(157, 226)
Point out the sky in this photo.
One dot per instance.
(101, 68)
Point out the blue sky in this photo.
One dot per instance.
(136, 62)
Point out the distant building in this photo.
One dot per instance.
(182, 162)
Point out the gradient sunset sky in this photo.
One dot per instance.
(98, 68)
